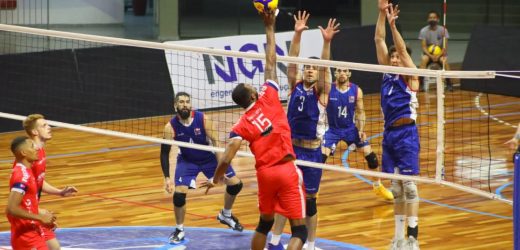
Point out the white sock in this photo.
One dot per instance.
(399, 226)
(413, 221)
(310, 245)
(226, 212)
(180, 227)
(275, 239)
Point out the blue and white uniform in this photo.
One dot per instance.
(306, 117)
(190, 162)
(341, 109)
(400, 144)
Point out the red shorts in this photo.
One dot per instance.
(48, 233)
(280, 190)
(28, 241)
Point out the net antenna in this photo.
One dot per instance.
(149, 128)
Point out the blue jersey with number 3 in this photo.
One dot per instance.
(303, 113)
(341, 107)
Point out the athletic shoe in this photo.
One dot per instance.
(398, 244)
(413, 244)
(176, 237)
(382, 192)
(230, 221)
(275, 247)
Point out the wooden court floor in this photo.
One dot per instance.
(120, 182)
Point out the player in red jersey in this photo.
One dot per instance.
(39, 131)
(264, 125)
(22, 204)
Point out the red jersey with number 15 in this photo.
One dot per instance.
(264, 125)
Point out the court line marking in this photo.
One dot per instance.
(115, 228)
(493, 117)
(344, 158)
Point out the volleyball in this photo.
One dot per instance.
(265, 5)
(434, 50)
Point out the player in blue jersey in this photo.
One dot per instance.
(193, 127)
(345, 104)
(400, 138)
(307, 118)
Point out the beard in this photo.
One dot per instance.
(184, 113)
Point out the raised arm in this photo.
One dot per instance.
(328, 33)
(392, 13)
(300, 24)
(380, 34)
(270, 53)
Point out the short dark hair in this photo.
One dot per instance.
(393, 49)
(434, 12)
(17, 142)
(312, 57)
(241, 95)
(179, 94)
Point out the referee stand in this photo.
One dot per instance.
(516, 199)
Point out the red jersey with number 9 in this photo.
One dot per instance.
(264, 125)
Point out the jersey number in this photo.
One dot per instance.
(342, 111)
(302, 99)
(262, 123)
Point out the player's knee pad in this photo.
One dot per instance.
(324, 158)
(179, 199)
(299, 232)
(397, 191)
(234, 189)
(372, 160)
(311, 208)
(410, 191)
(264, 226)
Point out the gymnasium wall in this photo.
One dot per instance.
(85, 85)
(493, 48)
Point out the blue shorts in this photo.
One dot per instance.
(401, 149)
(350, 135)
(186, 171)
(311, 176)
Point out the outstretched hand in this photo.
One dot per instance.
(513, 143)
(300, 21)
(212, 182)
(331, 30)
(68, 191)
(392, 13)
(383, 5)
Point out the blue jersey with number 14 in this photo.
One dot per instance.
(341, 107)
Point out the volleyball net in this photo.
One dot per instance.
(125, 88)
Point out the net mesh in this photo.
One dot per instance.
(131, 89)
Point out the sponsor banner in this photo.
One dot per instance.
(210, 79)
